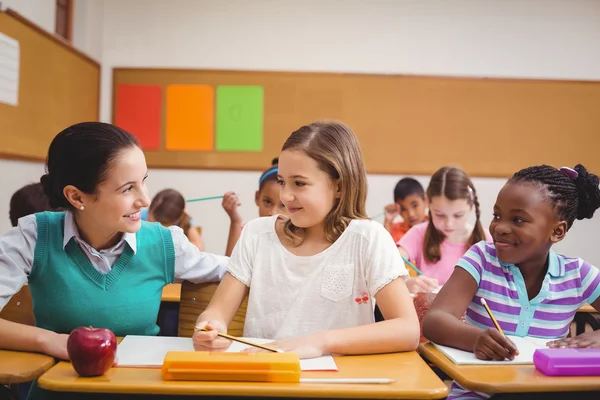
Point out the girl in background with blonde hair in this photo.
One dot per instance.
(313, 276)
(168, 208)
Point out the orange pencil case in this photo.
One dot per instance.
(241, 367)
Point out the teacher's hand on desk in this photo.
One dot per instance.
(54, 344)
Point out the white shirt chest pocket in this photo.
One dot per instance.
(337, 282)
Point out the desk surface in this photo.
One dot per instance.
(19, 367)
(587, 308)
(506, 378)
(413, 380)
(172, 293)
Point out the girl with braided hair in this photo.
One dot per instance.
(436, 245)
(531, 290)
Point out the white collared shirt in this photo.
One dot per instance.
(17, 248)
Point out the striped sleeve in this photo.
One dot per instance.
(473, 260)
(590, 282)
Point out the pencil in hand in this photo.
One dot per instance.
(487, 308)
(244, 341)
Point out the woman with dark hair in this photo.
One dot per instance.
(96, 263)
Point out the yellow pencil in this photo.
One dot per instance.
(483, 303)
(236, 339)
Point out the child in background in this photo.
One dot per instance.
(437, 245)
(28, 200)
(96, 264)
(531, 290)
(313, 277)
(168, 208)
(266, 198)
(410, 204)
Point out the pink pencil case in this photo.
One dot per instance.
(567, 362)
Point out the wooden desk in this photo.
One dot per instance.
(20, 367)
(506, 378)
(587, 308)
(172, 293)
(414, 380)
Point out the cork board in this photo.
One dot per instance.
(58, 86)
(405, 124)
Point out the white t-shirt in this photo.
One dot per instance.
(293, 296)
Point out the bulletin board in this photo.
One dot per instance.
(405, 124)
(58, 86)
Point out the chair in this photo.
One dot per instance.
(194, 300)
(20, 308)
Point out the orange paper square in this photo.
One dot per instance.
(190, 117)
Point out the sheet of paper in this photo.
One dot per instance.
(526, 346)
(9, 70)
(323, 363)
(150, 351)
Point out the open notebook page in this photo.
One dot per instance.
(526, 346)
(150, 351)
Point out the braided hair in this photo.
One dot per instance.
(572, 195)
(452, 183)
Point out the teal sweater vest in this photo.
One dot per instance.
(68, 292)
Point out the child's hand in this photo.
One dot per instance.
(55, 345)
(208, 340)
(588, 339)
(310, 346)
(421, 283)
(230, 204)
(391, 212)
(491, 345)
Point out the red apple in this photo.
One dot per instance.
(92, 350)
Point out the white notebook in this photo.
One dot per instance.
(525, 345)
(150, 352)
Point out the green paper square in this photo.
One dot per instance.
(240, 118)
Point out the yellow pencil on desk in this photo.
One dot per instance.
(236, 339)
(487, 308)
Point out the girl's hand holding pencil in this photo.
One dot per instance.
(492, 344)
(420, 283)
(206, 336)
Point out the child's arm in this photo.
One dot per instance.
(391, 211)
(442, 323)
(587, 339)
(419, 283)
(399, 331)
(230, 204)
(196, 238)
(218, 315)
(590, 277)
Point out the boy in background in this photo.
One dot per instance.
(410, 204)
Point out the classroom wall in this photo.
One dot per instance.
(549, 39)
(41, 12)
(88, 24)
